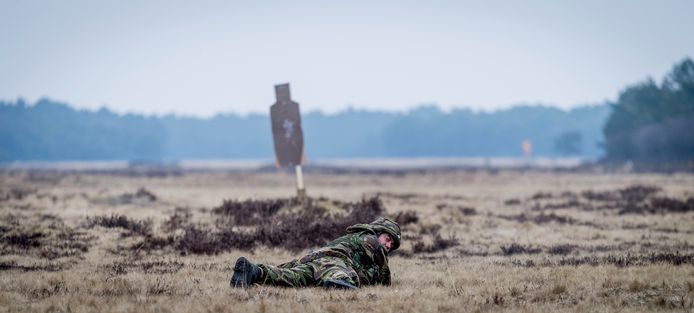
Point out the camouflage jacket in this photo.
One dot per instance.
(362, 251)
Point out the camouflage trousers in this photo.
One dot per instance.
(308, 274)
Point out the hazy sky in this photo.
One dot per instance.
(204, 57)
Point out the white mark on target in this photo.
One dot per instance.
(288, 128)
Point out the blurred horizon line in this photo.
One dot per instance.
(346, 109)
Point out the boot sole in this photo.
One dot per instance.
(242, 274)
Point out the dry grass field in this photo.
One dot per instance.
(508, 240)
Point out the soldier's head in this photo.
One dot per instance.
(388, 233)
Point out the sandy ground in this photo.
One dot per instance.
(508, 240)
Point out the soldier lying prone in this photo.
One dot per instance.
(356, 259)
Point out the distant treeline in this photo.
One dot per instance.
(49, 130)
(652, 123)
(649, 123)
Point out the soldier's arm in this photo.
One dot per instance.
(384, 275)
(378, 256)
(374, 250)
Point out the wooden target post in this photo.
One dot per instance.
(287, 135)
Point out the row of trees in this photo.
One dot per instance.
(649, 122)
(654, 123)
(54, 131)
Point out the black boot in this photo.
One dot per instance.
(245, 273)
(337, 284)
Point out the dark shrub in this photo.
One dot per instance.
(637, 193)
(562, 249)
(665, 204)
(304, 224)
(178, 220)
(406, 218)
(251, 212)
(467, 211)
(135, 227)
(519, 249)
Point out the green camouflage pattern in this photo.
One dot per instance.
(357, 258)
(313, 273)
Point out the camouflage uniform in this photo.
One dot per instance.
(357, 258)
